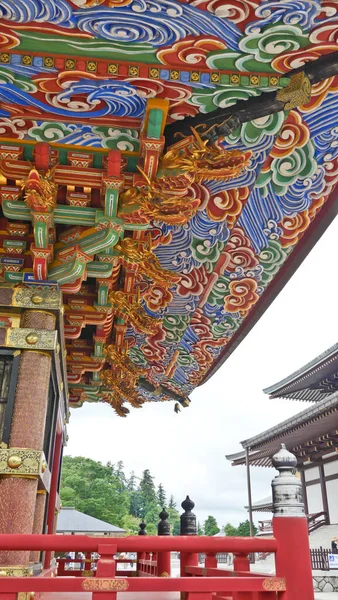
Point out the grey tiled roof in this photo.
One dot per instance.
(72, 521)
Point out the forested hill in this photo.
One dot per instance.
(108, 493)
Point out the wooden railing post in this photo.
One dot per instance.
(241, 563)
(106, 567)
(188, 526)
(210, 561)
(62, 564)
(140, 568)
(163, 558)
(290, 528)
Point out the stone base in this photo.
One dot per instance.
(325, 583)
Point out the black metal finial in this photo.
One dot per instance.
(142, 527)
(163, 528)
(188, 518)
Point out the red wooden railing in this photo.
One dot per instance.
(195, 582)
(90, 565)
(317, 520)
(265, 526)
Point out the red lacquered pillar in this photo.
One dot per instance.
(290, 528)
(18, 493)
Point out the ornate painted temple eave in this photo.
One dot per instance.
(304, 247)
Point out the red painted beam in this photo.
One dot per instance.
(65, 543)
(153, 584)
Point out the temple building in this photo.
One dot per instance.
(74, 522)
(165, 167)
(312, 435)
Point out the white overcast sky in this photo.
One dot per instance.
(186, 451)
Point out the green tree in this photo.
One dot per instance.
(230, 530)
(152, 515)
(147, 492)
(131, 483)
(199, 529)
(161, 496)
(131, 524)
(94, 489)
(172, 503)
(243, 529)
(104, 492)
(210, 526)
(119, 472)
(174, 520)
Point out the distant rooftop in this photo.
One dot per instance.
(312, 430)
(264, 505)
(313, 382)
(74, 521)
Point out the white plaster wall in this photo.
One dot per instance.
(314, 498)
(311, 474)
(331, 468)
(332, 498)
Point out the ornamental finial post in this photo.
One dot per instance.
(188, 518)
(290, 528)
(142, 527)
(163, 527)
(287, 493)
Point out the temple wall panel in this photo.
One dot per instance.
(311, 474)
(331, 468)
(332, 497)
(314, 498)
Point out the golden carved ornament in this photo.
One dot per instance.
(22, 462)
(87, 573)
(40, 191)
(104, 585)
(132, 251)
(133, 312)
(16, 571)
(14, 461)
(160, 205)
(296, 93)
(169, 198)
(204, 161)
(37, 339)
(120, 389)
(26, 596)
(48, 297)
(32, 338)
(274, 584)
(119, 357)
